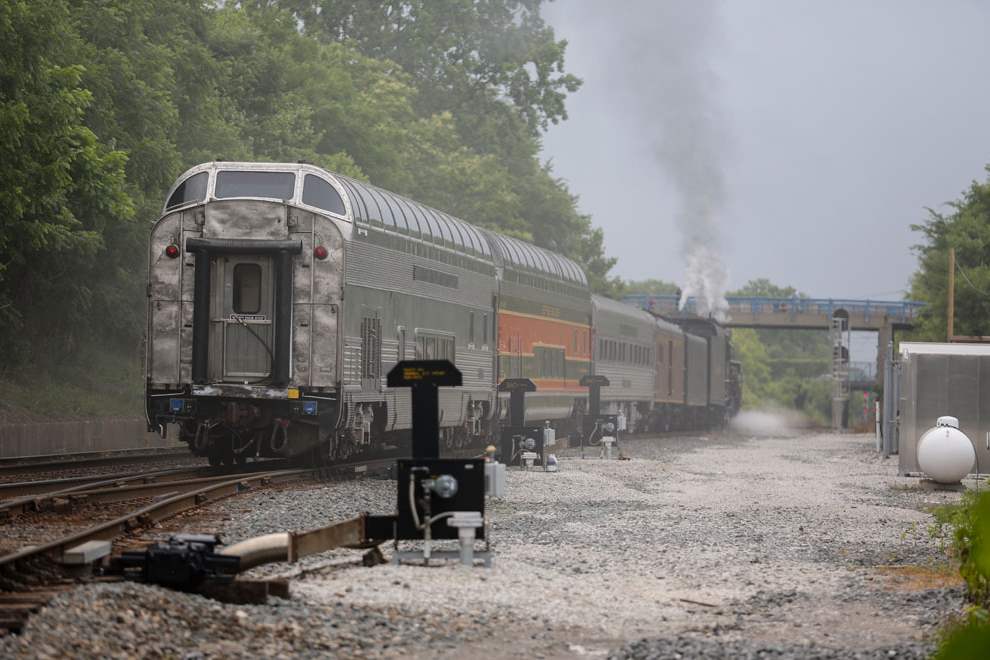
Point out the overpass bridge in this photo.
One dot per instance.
(836, 315)
(792, 313)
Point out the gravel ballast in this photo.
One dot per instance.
(730, 545)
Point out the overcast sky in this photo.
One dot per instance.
(841, 120)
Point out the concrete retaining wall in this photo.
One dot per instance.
(39, 439)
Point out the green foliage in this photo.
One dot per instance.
(481, 61)
(966, 228)
(104, 102)
(783, 367)
(766, 288)
(660, 287)
(63, 197)
(969, 523)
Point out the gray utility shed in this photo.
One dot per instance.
(943, 379)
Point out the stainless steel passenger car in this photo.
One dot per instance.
(280, 296)
(624, 345)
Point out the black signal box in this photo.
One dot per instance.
(469, 475)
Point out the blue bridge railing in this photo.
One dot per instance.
(903, 311)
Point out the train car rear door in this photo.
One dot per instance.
(242, 315)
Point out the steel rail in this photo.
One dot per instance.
(153, 513)
(89, 459)
(135, 491)
(191, 499)
(29, 503)
(51, 487)
(55, 487)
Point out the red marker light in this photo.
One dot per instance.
(320, 252)
(172, 251)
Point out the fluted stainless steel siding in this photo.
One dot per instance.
(378, 282)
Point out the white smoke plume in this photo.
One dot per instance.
(673, 43)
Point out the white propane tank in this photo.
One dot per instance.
(945, 453)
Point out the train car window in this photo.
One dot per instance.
(319, 193)
(550, 362)
(425, 227)
(358, 210)
(271, 185)
(247, 288)
(471, 327)
(192, 189)
(435, 347)
(484, 330)
(435, 277)
(403, 207)
(402, 343)
(460, 234)
(384, 210)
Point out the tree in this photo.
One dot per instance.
(764, 288)
(62, 192)
(966, 227)
(659, 287)
(442, 101)
(467, 57)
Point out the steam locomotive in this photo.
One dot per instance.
(280, 295)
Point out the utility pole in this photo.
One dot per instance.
(951, 311)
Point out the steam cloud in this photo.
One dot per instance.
(672, 42)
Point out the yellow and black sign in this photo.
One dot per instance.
(589, 380)
(434, 372)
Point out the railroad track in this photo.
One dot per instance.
(31, 577)
(44, 488)
(89, 459)
(54, 487)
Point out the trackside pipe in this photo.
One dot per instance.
(292, 546)
(267, 549)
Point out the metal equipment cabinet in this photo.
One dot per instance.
(943, 379)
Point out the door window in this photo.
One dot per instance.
(247, 289)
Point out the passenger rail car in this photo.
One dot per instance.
(280, 295)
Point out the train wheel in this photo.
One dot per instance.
(214, 458)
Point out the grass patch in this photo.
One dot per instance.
(99, 381)
(966, 529)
